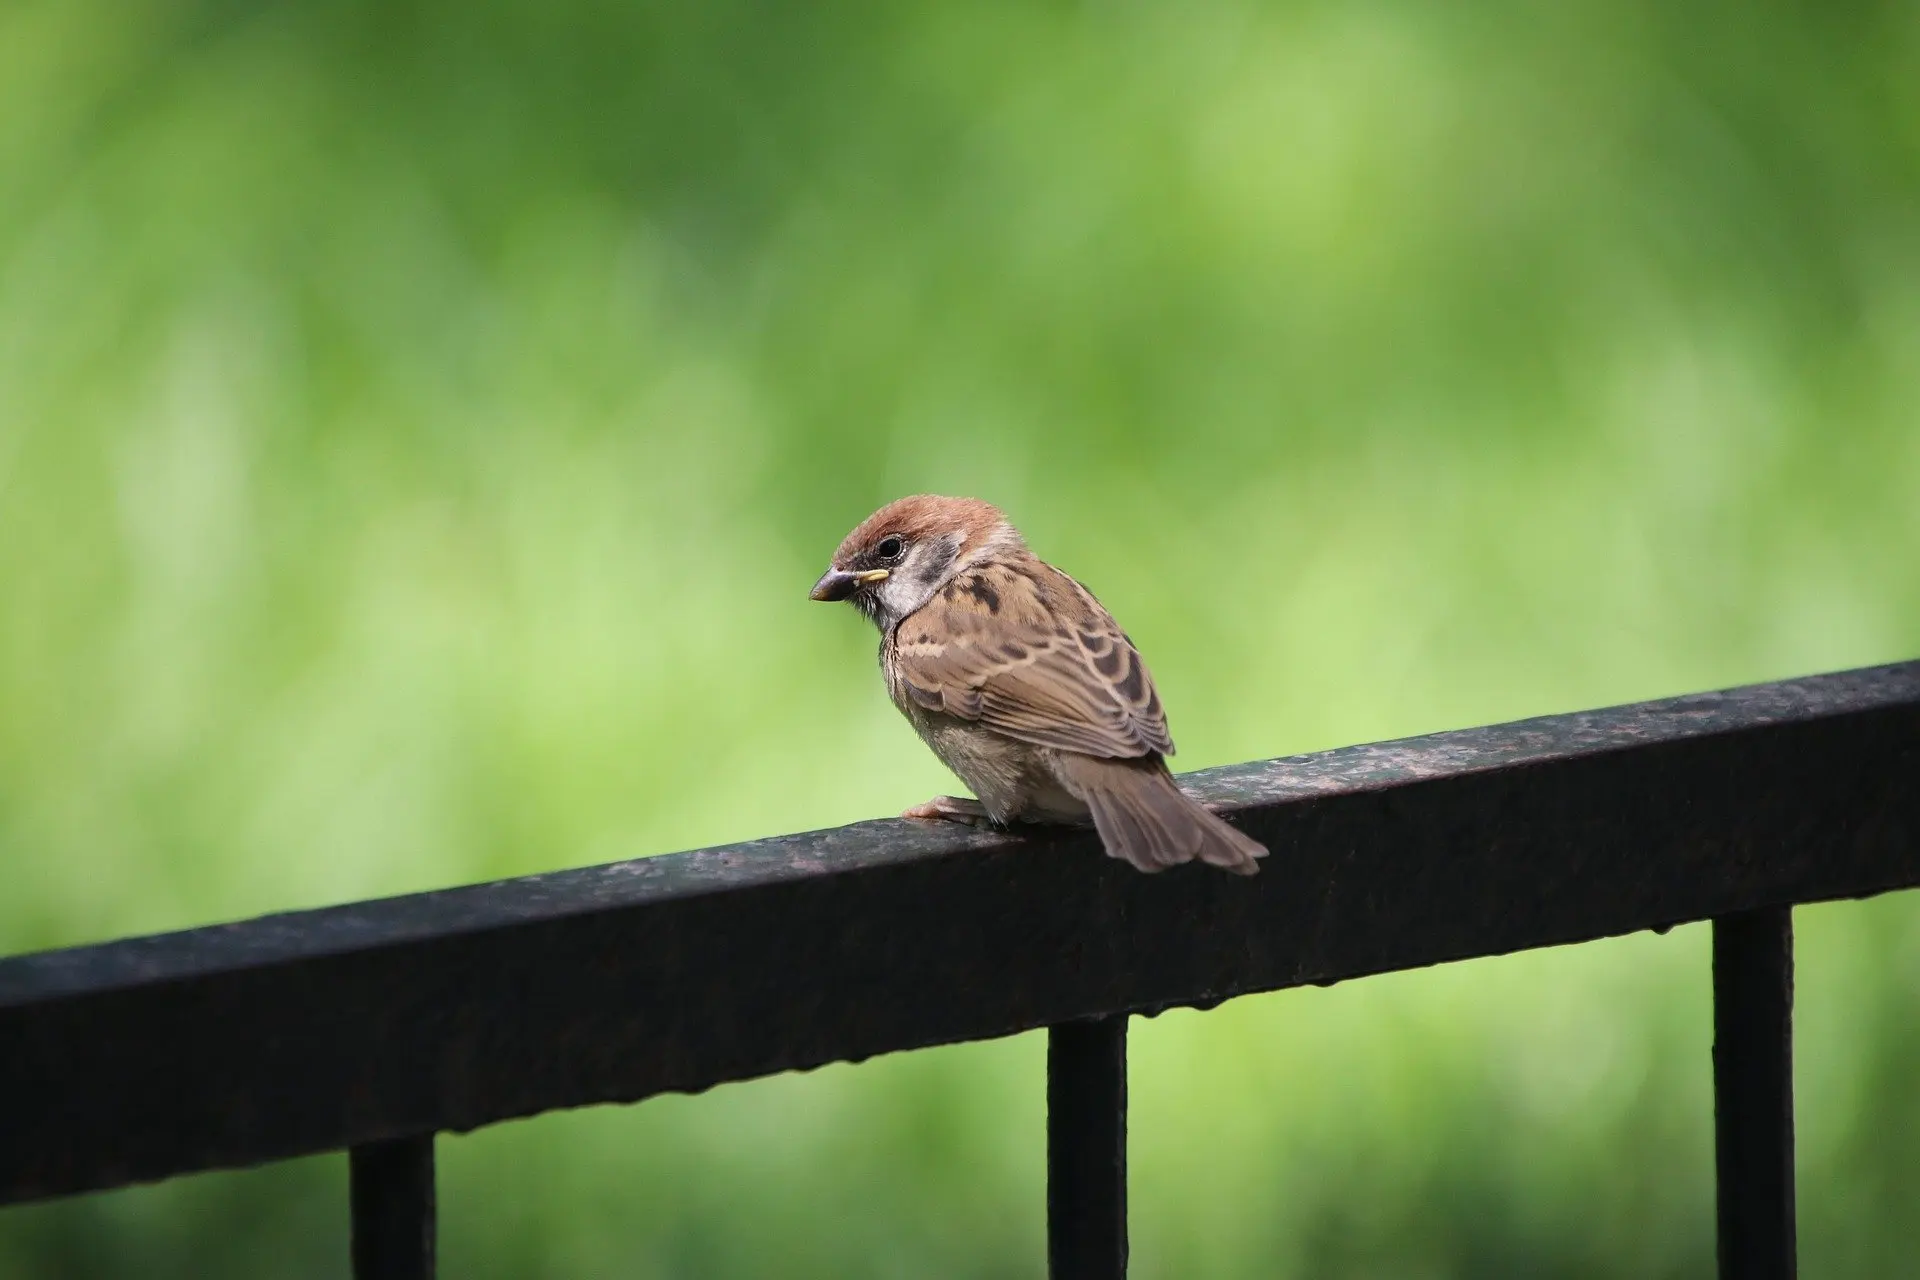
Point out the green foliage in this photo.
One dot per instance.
(420, 423)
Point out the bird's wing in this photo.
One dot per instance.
(1025, 650)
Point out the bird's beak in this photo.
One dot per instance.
(838, 584)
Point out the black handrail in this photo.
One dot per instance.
(375, 1025)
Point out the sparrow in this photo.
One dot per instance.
(1022, 684)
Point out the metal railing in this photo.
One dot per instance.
(372, 1027)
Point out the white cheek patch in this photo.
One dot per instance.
(895, 592)
(918, 576)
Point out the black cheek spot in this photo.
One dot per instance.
(1108, 664)
(1135, 684)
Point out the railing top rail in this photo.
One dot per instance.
(315, 1030)
(862, 846)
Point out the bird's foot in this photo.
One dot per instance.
(951, 809)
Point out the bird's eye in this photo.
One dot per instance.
(890, 547)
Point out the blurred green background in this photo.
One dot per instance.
(420, 424)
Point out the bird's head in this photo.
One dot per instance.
(896, 558)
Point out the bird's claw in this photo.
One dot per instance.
(950, 809)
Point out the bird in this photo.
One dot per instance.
(1022, 684)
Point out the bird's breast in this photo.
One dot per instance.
(1013, 779)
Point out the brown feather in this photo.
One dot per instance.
(1144, 817)
(1027, 651)
(919, 516)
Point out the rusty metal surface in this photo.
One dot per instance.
(318, 1030)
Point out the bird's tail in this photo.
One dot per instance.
(1144, 817)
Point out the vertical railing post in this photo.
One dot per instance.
(1087, 1149)
(1753, 1093)
(391, 1190)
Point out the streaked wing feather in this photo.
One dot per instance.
(1027, 651)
